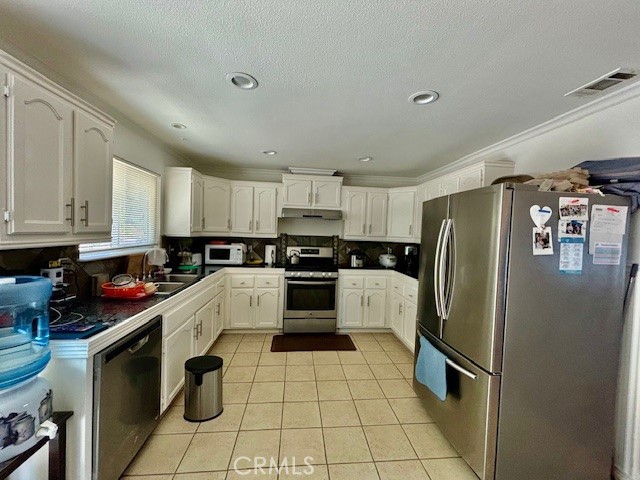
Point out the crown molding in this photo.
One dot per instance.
(497, 149)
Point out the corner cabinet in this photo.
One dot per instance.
(182, 206)
(56, 163)
(255, 301)
(312, 191)
(253, 209)
(216, 205)
(401, 214)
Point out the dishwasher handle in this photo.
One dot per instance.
(138, 345)
(132, 342)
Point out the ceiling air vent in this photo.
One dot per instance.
(608, 82)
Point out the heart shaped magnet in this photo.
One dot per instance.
(540, 215)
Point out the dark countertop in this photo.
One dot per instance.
(105, 310)
(379, 267)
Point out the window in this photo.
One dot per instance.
(135, 211)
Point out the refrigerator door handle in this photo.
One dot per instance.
(450, 249)
(462, 370)
(436, 270)
(441, 273)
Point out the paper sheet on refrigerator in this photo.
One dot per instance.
(607, 253)
(571, 258)
(607, 226)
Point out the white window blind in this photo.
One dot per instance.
(134, 211)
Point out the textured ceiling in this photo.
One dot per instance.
(334, 75)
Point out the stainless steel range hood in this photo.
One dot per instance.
(321, 214)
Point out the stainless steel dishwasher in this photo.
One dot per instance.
(126, 399)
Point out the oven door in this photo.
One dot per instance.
(310, 299)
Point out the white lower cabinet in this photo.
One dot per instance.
(255, 301)
(396, 314)
(219, 315)
(409, 319)
(363, 302)
(177, 348)
(205, 327)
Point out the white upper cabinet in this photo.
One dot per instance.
(216, 205)
(365, 212)
(197, 197)
(264, 211)
(312, 191)
(55, 163)
(242, 209)
(355, 213)
(182, 207)
(470, 180)
(92, 174)
(297, 193)
(40, 159)
(401, 217)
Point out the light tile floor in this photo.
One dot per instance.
(354, 414)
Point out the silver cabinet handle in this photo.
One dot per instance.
(410, 229)
(361, 301)
(251, 301)
(228, 223)
(250, 224)
(203, 223)
(86, 213)
(316, 197)
(463, 371)
(241, 283)
(364, 228)
(369, 229)
(218, 309)
(72, 206)
(195, 332)
(267, 283)
(399, 309)
(257, 224)
(309, 197)
(200, 328)
(368, 300)
(258, 297)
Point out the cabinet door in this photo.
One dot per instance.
(266, 308)
(449, 185)
(297, 193)
(241, 209)
(92, 174)
(376, 308)
(326, 193)
(197, 192)
(241, 308)
(397, 322)
(265, 217)
(219, 315)
(377, 214)
(470, 180)
(216, 206)
(176, 349)
(355, 224)
(401, 205)
(410, 317)
(352, 303)
(205, 326)
(431, 190)
(39, 160)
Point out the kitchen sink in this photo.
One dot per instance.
(180, 277)
(166, 288)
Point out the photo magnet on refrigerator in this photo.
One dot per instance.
(542, 241)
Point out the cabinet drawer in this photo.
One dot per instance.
(242, 281)
(411, 293)
(219, 287)
(352, 282)
(376, 282)
(267, 281)
(397, 287)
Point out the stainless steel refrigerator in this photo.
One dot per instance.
(532, 352)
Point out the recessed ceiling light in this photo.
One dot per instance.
(424, 97)
(365, 159)
(179, 126)
(242, 80)
(269, 152)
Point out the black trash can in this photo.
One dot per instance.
(202, 388)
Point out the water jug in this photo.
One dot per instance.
(24, 328)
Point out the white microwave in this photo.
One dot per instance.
(234, 254)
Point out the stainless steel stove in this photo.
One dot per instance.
(310, 290)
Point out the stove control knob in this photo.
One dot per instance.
(311, 274)
(299, 274)
(324, 274)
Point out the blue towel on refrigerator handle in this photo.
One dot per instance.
(431, 369)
